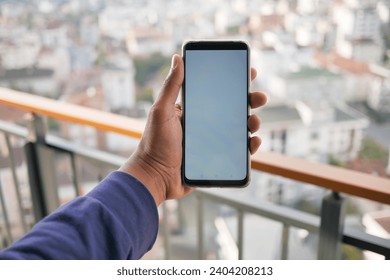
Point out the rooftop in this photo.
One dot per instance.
(25, 73)
(345, 64)
(308, 73)
(284, 113)
(279, 113)
(345, 113)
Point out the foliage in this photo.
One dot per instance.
(52, 124)
(334, 161)
(372, 150)
(351, 253)
(146, 68)
(147, 95)
(233, 29)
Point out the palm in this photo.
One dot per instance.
(162, 142)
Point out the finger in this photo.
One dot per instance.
(254, 144)
(182, 191)
(253, 123)
(179, 112)
(188, 190)
(173, 82)
(257, 99)
(253, 73)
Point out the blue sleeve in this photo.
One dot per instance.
(117, 220)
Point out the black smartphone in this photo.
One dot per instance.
(215, 102)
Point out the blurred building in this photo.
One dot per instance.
(317, 132)
(18, 50)
(82, 56)
(118, 84)
(54, 34)
(57, 59)
(33, 80)
(379, 97)
(359, 34)
(145, 42)
(311, 85)
(364, 82)
(357, 74)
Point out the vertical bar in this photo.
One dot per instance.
(47, 171)
(332, 226)
(5, 216)
(200, 225)
(16, 182)
(75, 178)
(240, 233)
(285, 236)
(180, 215)
(37, 196)
(41, 166)
(167, 239)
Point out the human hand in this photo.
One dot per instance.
(157, 160)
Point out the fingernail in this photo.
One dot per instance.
(174, 62)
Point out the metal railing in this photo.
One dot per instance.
(40, 149)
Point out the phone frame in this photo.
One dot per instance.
(215, 45)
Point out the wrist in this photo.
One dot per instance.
(139, 167)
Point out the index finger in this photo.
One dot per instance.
(253, 73)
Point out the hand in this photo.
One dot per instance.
(157, 160)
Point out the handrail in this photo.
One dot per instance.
(333, 178)
(72, 113)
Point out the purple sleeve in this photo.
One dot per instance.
(117, 220)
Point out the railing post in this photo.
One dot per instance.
(8, 239)
(200, 225)
(240, 233)
(332, 226)
(41, 169)
(166, 232)
(284, 246)
(16, 182)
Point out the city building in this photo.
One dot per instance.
(312, 132)
(19, 50)
(364, 82)
(320, 133)
(308, 84)
(118, 83)
(379, 97)
(116, 21)
(359, 34)
(34, 80)
(55, 34)
(144, 42)
(357, 74)
(82, 56)
(57, 59)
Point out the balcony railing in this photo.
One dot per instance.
(40, 148)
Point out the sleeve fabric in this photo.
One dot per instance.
(117, 220)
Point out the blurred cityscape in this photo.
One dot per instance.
(325, 65)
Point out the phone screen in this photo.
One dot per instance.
(215, 115)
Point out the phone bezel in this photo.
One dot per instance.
(215, 45)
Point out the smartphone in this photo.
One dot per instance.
(215, 103)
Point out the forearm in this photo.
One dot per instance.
(117, 220)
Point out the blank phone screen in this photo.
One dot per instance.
(216, 111)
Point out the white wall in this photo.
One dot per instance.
(119, 89)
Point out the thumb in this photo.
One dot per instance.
(173, 81)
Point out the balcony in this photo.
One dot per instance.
(33, 156)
